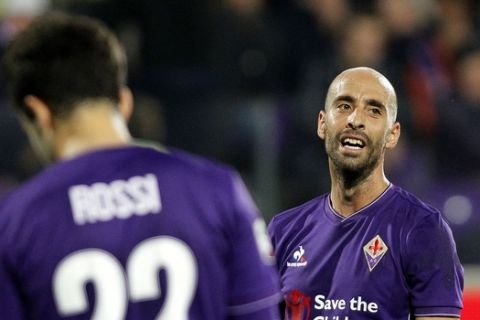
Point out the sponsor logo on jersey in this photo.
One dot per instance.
(374, 251)
(297, 306)
(298, 258)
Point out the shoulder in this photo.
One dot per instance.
(12, 209)
(294, 218)
(171, 164)
(172, 167)
(414, 206)
(422, 219)
(199, 164)
(19, 198)
(203, 173)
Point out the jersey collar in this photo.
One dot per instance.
(333, 215)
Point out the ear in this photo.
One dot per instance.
(42, 114)
(41, 130)
(126, 103)
(393, 136)
(321, 124)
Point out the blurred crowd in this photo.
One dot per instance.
(242, 81)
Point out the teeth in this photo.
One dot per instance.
(353, 142)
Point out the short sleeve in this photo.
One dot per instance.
(433, 270)
(253, 280)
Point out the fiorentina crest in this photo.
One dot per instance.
(374, 251)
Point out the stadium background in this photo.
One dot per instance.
(242, 81)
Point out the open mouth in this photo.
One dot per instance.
(353, 143)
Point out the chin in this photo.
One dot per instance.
(349, 163)
(360, 166)
(353, 167)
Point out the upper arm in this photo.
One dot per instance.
(253, 282)
(433, 270)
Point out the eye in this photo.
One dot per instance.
(344, 106)
(376, 111)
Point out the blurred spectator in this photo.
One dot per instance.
(248, 57)
(16, 14)
(458, 126)
(309, 29)
(364, 43)
(407, 22)
(147, 120)
(171, 61)
(406, 18)
(244, 52)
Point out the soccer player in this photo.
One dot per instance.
(111, 230)
(367, 249)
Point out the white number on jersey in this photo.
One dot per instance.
(106, 273)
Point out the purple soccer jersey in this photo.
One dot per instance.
(133, 233)
(394, 259)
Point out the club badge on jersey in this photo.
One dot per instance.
(374, 251)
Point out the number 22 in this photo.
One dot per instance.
(107, 274)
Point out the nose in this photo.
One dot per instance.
(355, 120)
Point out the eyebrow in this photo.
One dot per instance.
(376, 103)
(372, 102)
(346, 98)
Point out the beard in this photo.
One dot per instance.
(353, 169)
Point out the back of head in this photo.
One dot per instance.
(64, 60)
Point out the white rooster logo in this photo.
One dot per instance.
(297, 255)
(297, 259)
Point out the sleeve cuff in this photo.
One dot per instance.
(438, 312)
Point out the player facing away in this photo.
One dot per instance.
(368, 249)
(110, 230)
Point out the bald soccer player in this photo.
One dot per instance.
(368, 249)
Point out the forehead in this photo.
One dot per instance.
(361, 86)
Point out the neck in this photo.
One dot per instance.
(352, 191)
(90, 128)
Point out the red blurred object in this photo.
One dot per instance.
(471, 305)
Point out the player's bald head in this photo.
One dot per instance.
(364, 77)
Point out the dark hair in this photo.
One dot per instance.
(63, 60)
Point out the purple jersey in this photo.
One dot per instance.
(394, 259)
(133, 233)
